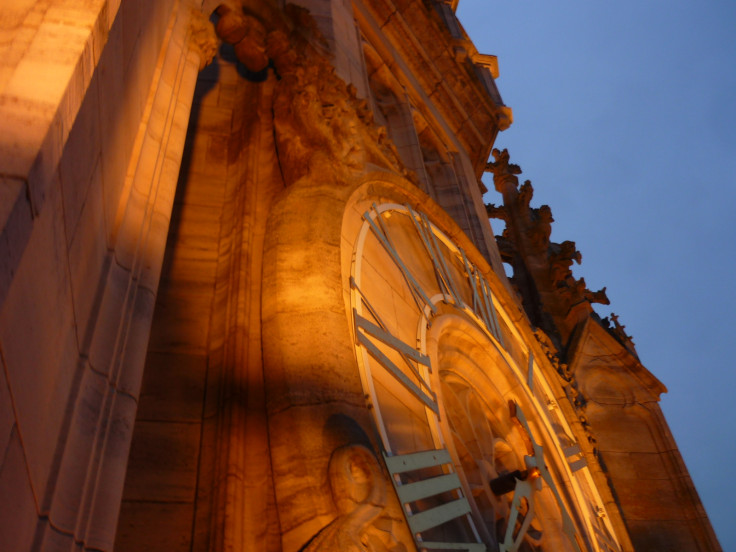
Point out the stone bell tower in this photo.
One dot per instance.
(250, 298)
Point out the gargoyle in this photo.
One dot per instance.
(561, 257)
(541, 228)
(599, 296)
(497, 212)
(526, 192)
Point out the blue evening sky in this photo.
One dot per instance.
(625, 122)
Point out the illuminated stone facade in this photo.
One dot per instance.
(250, 299)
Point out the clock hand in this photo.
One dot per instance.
(524, 489)
(536, 462)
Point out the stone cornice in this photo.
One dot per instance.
(619, 356)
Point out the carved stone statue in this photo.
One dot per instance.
(359, 493)
(503, 172)
(599, 296)
(202, 38)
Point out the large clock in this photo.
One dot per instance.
(480, 454)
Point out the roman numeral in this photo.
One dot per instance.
(514, 537)
(537, 461)
(447, 283)
(604, 540)
(413, 496)
(441, 265)
(379, 230)
(366, 331)
(571, 451)
(482, 298)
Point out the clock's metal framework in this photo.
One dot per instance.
(460, 287)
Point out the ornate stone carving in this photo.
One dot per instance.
(359, 493)
(504, 173)
(571, 387)
(202, 38)
(554, 300)
(617, 331)
(247, 35)
(322, 128)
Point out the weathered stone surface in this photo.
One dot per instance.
(78, 454)
(38, 340)
(173, 387)
(166, 456)
(7, 416)
(18, 517)
(16, 224)
(251, 426)
(166, 526)
(80, 160)
(89, 258)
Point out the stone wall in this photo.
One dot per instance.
(94, 104)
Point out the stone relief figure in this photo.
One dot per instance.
(202, 38)
(322, 129)
(359, 493)
(247, 35)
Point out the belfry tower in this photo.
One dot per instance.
(250, 298)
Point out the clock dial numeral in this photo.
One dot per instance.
(481, 296)
(379, 230)
(530, 372)
(365, 330)
(523, 496)
(441, 265)
(416, 259)
(447, 283)
(605, 541)
(487, 300)
(415, 496)
(578, 464)
(482, 299)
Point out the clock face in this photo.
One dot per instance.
(480, 454)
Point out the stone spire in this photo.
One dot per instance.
(553, 299)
